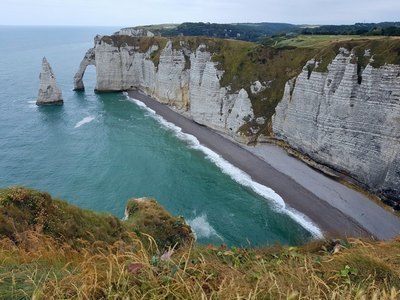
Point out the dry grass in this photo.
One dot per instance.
(39, 264)
(357, 270)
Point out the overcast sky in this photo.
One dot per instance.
(141, 12)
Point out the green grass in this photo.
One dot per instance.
(384, 49)
(24, 210)
(315, 41)
(37, 211)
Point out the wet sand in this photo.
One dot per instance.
(304, 195)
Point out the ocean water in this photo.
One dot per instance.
(98, 150)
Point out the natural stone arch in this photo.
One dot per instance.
(89, 59)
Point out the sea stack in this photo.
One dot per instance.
(49, 93)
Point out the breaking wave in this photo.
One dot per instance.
(202, 227)
(235, 173)
(84, 121)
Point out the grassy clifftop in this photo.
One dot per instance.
(23, 210)
(52, 250)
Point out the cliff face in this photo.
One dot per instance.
(183, 78)
(346, 118)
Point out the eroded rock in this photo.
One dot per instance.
(49, 92)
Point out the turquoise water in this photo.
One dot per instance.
(98, 150)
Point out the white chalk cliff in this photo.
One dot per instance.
(347, 120)
(132, 31)
(49, 92)
(188, 80)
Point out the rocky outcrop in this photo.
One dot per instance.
(257, 87)
(181, 77)
(346, 118)
(49, 93)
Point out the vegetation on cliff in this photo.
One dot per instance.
(380, 50)
(52, 250)
(147, 216)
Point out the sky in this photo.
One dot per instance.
(133, 12)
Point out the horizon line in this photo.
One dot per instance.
(227, 23)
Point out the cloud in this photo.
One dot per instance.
(129, 13)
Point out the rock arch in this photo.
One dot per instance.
(89, 59)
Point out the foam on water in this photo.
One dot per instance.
(84, 121)
(235, 173)
(202, 228)
(32, 104)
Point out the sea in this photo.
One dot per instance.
(100, 149)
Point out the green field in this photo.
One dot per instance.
(319, 41)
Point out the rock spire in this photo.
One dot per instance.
(49, 92)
